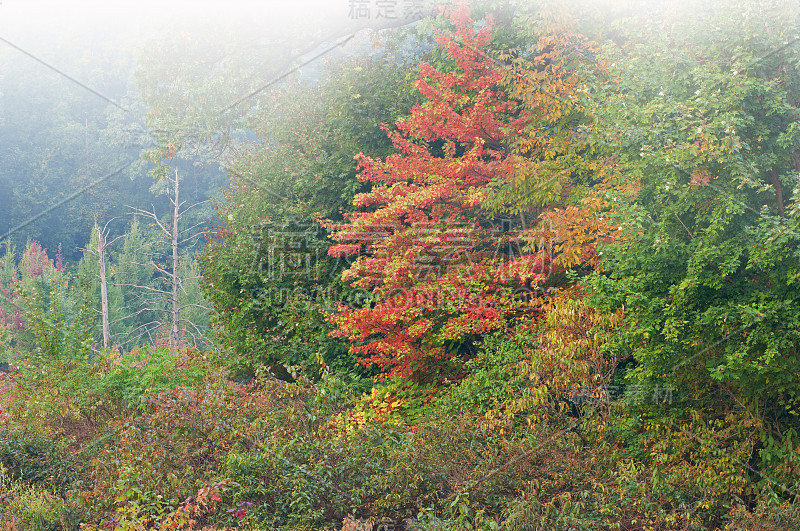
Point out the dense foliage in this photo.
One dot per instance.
(526, 266)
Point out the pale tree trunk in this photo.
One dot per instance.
(101, 256)
(100, 253)
(176, 215)
(174, 238)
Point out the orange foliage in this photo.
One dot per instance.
(440, 268)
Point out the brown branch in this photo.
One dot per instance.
(684, 226)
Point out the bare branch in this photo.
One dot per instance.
(146, 288)
(194, 205)
(195, 306)
(152, 215)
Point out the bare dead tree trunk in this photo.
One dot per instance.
(176, 215)
(174, 238)
(101, 257)
(100, 253)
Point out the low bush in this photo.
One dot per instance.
(34, 459)
(33, 507)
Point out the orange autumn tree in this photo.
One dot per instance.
(565, 174)
(440, 269)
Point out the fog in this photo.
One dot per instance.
(72, 106)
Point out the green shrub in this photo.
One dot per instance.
(493, 376)
(33, 459)
(771, 512)
(312, 465)
(33, 507)
(146, 371)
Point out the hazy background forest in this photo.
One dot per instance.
(78, 83)
(395, 264)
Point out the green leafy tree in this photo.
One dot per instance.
(705, 119)
(132, 321)
(55, 308)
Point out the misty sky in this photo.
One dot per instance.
(59, 61)
(37, 24)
